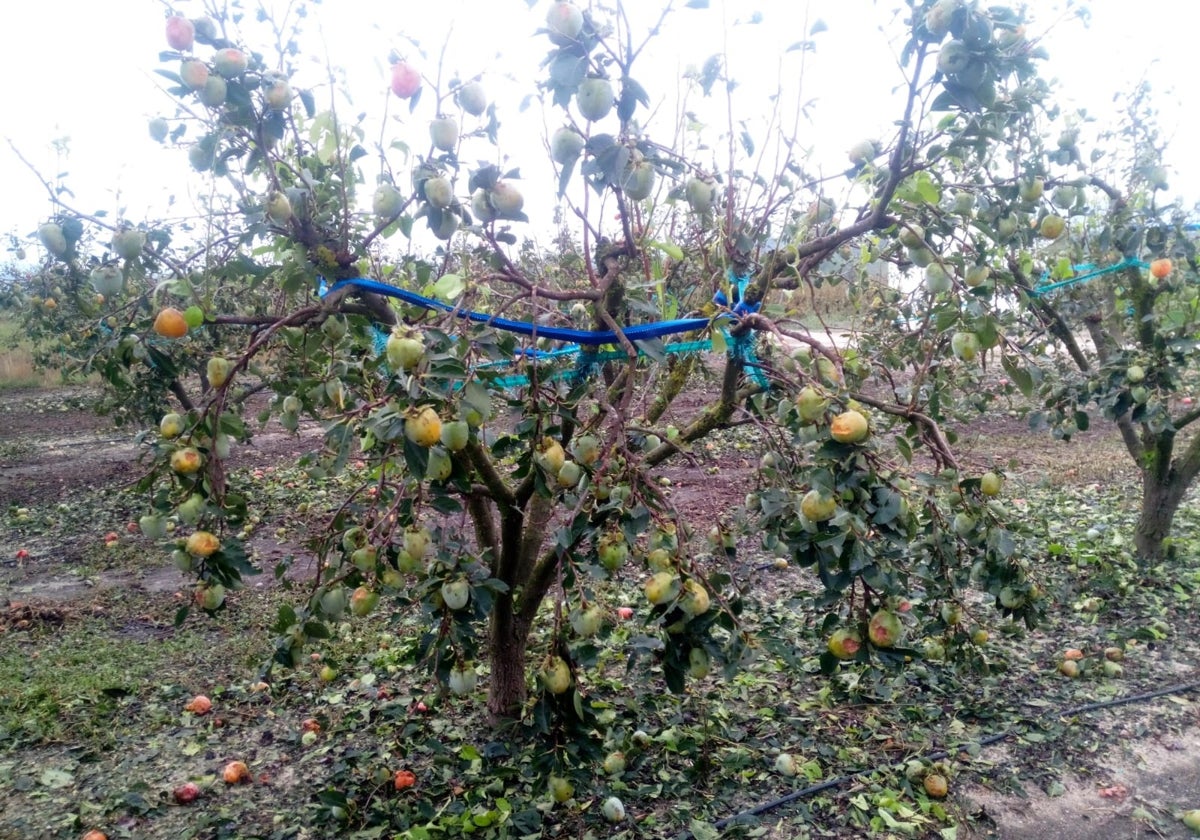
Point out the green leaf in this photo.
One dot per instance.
(564, 177)
(747, 143)
(988, 335)
(285, 619)
(445, 504)
(927, 189)
(653, 348)
(889, 505)
(568, 69)
(52, 778)
(316, 630)
(710, 73)
(232, 425)
(669, 248)
(477, 397)
(719, 344)
(1020, 376)
(448, 287)
(920, 188)
(308, 101)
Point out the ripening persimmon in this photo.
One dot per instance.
(936, 785)
(181, 33)
(1160, 268)
(849, 427)
(406, 79)
(169, 323)
(199, 705)
(235, 772)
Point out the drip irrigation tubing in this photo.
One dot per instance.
(838, 781)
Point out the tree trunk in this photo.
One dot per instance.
(1161, 497)
(507, 689)
(522, 535)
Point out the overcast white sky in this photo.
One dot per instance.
(84, 70)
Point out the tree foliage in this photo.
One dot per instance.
(508, 489)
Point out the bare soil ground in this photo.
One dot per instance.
(54, 451)
(1134, 794)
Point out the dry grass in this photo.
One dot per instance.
(826, 301)
(1094, 457)
(16, 363)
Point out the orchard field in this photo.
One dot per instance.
(570, 447)
(96, 680)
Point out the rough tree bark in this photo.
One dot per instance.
(1160, 502)
(1166, 479)
(507, 688)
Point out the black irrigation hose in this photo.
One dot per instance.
(804, 793)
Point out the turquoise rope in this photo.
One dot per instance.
(1090, 275)
(742, 347)
(381, 340)
(521, 380)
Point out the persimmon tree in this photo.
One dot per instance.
(1085, 282)
(511, 482)
(1117, 294)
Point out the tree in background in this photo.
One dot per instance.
(1124, 277)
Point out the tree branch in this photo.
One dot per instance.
(533, 534)
(715, 416)
(1187, 466)
(933, 432)
(491, 478)
(1129, 436)
(1187, 419)
(1049, 317)
(677, 377)
(541, 576)
(488, 535)
(184, 400)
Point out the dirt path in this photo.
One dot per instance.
(54, 455)
(1138, 793)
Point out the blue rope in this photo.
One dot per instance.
(583, 341)
(641, 332)
(742, 346)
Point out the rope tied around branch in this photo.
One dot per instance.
(583, 344)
